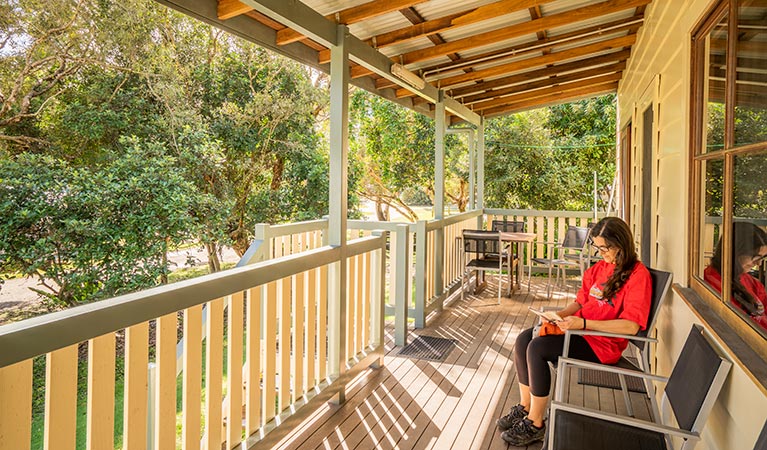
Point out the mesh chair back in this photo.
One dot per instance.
(508, 226)
(575, 237)
(661, 281)
(761, 441)
(481, 241)
(695, 374)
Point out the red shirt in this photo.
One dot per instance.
(632, 302)
(752, 285)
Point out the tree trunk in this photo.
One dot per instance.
(382, 211)
(214, 263)
(278, 167)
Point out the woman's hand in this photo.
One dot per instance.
(570, 323)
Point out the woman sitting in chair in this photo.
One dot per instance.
(614, 297)
(748, 250)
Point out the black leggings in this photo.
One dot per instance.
(532, 357)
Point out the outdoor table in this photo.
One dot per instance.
(515, 239)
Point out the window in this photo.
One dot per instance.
(729, 160)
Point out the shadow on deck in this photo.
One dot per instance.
(420, 404)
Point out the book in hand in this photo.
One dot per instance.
(550, 316)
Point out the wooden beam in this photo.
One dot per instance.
(630, 25)
(351, 15)
(533, 75)
(451, 21)
(546, 91)
(533, 26)
(547, 80)
(552, 99)
(552, 58)
(226, 9)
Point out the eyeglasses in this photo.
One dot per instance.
(601, 248)
(757, 259)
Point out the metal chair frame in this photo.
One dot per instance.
(575, 242)
(488, 247)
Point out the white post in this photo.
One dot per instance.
(480, 170)
(339, 119)
(401, 271)
(472, 171)
(439, 196)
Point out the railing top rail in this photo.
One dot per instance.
(40, 335)
(298, 227)
(540, 213)
(450, 220)
(378, 225)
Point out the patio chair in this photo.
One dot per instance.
(691, 390)
(575, 242)
(488, 255)
(591, 257)
(761, 441)
(639, 344)
(513, 226)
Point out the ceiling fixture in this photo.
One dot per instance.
(399, 71)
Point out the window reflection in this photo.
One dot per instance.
(717, 69)
(711, 219)
(751, 73)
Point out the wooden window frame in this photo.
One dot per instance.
(745, 330)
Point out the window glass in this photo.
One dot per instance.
(716, 70)
(711, 220)
(751, 73)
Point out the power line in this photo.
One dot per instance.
(558, 147)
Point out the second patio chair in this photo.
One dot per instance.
(639, 344)
(483, 251)
(691, 390)
(574, 242)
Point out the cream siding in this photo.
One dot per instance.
(663, 50)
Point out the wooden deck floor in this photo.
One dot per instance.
(419, 404)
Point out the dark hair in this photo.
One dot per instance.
(747, 240)
(617, 234)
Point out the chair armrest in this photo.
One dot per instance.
(631, 337)
(615, 418)
(563, 363)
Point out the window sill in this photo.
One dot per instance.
(744, 354)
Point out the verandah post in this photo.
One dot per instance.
(339, 119)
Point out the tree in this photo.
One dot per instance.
(93, 233)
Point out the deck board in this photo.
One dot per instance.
(413, 404)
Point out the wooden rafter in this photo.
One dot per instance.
(533, 26)
(351, 15)
(451, 21)
(497, 83)
(551, 58)
(552, 98)
(549, 77)
(545, 90)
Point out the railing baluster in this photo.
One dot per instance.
(234, 371)
(358, 302)
(351, 300)
(270, 351)
(192, 378)
(297, 317)
(284, 320)
(311, 329)
(366, 297)
(16, 406)
(322, 335)
(214, 374)
(253, 383)
(101, 392)
(61, 399)
(136, 391)
(165, 403)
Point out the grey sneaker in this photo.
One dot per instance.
(524, 433)
(516, 414)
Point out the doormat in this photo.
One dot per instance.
(428, 347)
(609, 380)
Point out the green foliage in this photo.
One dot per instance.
(544, 159)
(89, 234)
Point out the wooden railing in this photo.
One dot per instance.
(278, 317)
(263, 362)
